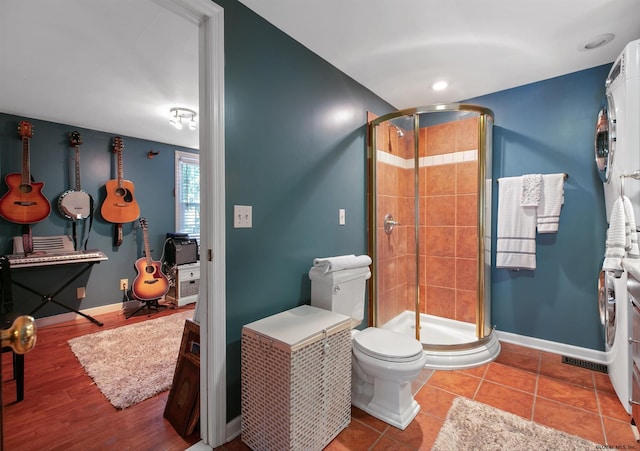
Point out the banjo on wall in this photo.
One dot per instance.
(75, 204)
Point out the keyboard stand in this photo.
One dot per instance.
(51, 297)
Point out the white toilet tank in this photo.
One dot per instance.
(340, 291)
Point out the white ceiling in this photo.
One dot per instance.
(399, 48)
(111, 65)
(119, 65)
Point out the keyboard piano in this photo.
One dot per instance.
(55, 258)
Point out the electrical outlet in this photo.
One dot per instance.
(81, 292)
(124, 284)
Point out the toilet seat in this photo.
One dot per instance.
(386, 345)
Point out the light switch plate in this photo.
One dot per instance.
(242, 217)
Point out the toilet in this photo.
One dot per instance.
(384, 363)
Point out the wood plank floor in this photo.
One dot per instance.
(64, 410)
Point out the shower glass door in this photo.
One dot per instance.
(396, 218)
(431, 206)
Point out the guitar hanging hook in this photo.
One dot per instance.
(152, 153)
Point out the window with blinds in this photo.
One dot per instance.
(188, 193)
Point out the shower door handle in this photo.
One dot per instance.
(389, 224)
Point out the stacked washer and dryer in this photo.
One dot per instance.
(617, 148)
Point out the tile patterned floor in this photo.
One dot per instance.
(533, 384)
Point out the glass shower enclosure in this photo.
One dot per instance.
(430, 230)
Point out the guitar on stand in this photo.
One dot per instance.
(76, 204)
(119, 205)
(24, 203)
(150, 284)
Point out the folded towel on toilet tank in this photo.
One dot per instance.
(340, 262)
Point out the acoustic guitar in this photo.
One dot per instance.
(119, 205)
(75, 204)
(150, 283)
(24, 203)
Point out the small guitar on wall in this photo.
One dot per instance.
(150, 283)
(75, 204)
(24, 203)
(119, 206)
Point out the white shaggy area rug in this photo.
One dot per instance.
(471, 425)
(132, 363)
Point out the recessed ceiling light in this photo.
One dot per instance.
(440, 85)
(599, 41)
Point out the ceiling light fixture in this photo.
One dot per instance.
(177, 115)
(599, 41)
(440, 85)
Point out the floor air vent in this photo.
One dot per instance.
(585, 364)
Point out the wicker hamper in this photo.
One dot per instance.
(296, 379)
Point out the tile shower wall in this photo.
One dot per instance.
(448, 221)
(396, 251)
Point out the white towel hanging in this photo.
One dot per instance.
(551, 202)
(616, 238)
(516, 238)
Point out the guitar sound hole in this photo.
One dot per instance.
(150, 269)
(25, 188)
(125, 194)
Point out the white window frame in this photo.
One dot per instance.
(188, 158)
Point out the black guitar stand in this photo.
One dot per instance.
(149, 305)
(51, 297)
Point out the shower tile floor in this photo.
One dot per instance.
(533, 384)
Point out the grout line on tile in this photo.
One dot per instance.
(477, 389)
(535, 395)
(373, 445)
(386, 427)
(604, 429)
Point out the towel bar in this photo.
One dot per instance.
(566, 176)
(634, 175)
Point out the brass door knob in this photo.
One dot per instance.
(21, 336)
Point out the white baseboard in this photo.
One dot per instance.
(63, 317)
(234, 428)
(199, 446)
(590, 355)
(118, 306)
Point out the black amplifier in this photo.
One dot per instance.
(180, 251)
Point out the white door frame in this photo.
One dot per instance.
(211, 306)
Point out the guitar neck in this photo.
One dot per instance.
(147, 251)
(26, 164)
(120, 170)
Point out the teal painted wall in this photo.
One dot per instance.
(52, 162)
(296, 152)
(548, 127)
